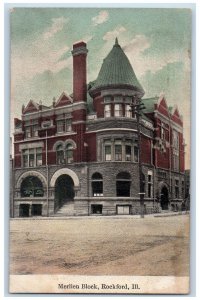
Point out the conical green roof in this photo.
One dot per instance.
(116, 70)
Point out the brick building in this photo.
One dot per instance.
(79, 156)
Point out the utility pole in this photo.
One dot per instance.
(136, 107)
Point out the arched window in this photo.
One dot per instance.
(32, 187)
(97, 185)
(59, 154)
(69, 153)
(123, 183)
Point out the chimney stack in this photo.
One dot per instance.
(79, 53)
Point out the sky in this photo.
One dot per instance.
(156, 41)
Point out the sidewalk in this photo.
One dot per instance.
(156, 215)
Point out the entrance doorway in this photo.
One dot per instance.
(64, 190)
(164, 199)
(24, 210)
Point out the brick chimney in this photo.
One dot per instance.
(79, 53)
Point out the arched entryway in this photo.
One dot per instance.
(64, 190)
(164, 198)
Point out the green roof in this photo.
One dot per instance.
(116, 70)
(149, 104)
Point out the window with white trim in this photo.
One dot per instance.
(63, 124)
(32, 157)
(118, 110)
(107, 152)
(118, 150)
(64, 154)
(107, 110)
(128, 112)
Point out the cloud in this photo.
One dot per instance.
(102, 17)
(142, 63)
(111, 35)
(57, 25)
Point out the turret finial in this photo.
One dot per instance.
(116, 41)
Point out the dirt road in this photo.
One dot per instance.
(100, 246)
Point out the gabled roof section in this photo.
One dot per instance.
(176, 116)
(116, 70)
(162, 106)
(63, 100)
(31, 107)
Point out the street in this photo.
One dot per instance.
(101, 246)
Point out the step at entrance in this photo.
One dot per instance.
(66, 210)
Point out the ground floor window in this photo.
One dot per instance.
(123, 209)
(97, 185)
(150, 184)
(96, 209)
(24, 210)
(36, 210)
(176, 188)
(123, 183)
(32, 187)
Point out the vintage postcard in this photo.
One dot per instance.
(100, 158)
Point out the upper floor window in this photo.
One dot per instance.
(120, 150)
(31, 128)
(64, 153)
(69, 153)
(128, 112)
(175, 140)
(64, 124)
(118, 110)
(32, 157)
(108, 152)
(128, 152)
(107, 110)
(162, 131)
(27, 131)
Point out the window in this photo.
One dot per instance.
(123, 183)
(107, 110)
(128, 112)
(60, 154)
(32, 187)
(162, 131)
(60, 126)
(64, 154)
(150, 184)
(136, 154)
(32, 157)
(39, 156)
(68, 125)
(35, 130)
(97, 185)
(107, 99)
(69, 153)
(128, 152)
(118, 152)
(96, 209)
(27, 131)
(107, 152)
(25, 158)
(118, 110)
(64, 124)
(118, 99)
(177, 188)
